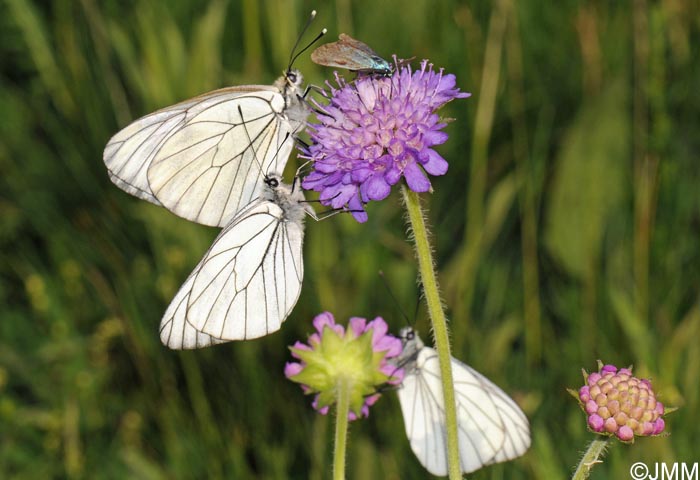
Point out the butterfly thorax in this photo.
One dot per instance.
(296, 109)
(290, 199)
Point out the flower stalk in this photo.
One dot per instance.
(594, 454)
(341, 429)
(438, 321)
(345, 367)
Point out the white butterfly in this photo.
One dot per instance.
(250, 279)
(210, 160)
(206, 158)
(492, 428)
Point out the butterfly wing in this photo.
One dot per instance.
(200, 158)
(175, 332)
(250, 279)
(350, 54)
(216, 163)
(492, 428)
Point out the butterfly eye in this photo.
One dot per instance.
(410, 335)
(292, 77)
(272, 182)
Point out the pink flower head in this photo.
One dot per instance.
(359, 355)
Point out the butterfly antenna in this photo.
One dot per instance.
(250, 142)
(396, 302)
(418, 298)
(255, 153)
(292, 55)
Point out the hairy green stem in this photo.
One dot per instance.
(439, 323)
(594, 454)
(341, 429)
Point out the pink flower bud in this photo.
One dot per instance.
(620, 404)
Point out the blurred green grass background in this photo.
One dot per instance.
(566, 230)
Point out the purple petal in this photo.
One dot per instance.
(292, 368)
(360, 174)
(435, 164)
(329, 193)
(371, 400)
(300, 346)
(323, 319)
(433, 137)
(393, 175)
(322, 410)
(343, 196)
(360, 216)
(390, 345)
(375, 188)
(379, 329)
(357, 210)
(397, 375)
(396, 148)
(357, 324)
(415, 178)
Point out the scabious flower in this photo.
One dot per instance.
(359, 357)
(376, 130)
(618, 403)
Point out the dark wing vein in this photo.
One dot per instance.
(509, 418)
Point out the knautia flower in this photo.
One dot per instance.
(618, 403)
(376, 130)
(358, 358)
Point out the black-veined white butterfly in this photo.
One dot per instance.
(206, 158)
(250, 279)
(196, 158)
(492, 428)
(211, 160)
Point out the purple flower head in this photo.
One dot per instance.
(376, 130)
(359, 356)
(618, 403)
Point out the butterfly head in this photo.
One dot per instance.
(290, 83)
(287, 197)
(296, 109)
(273, 181)
(412, 344)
